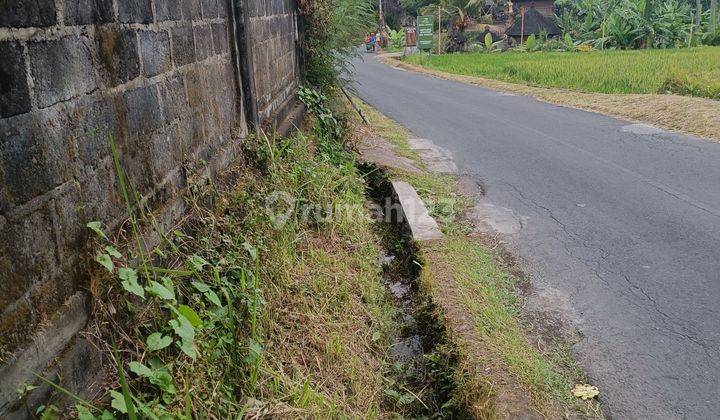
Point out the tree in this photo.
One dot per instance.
(458, 12)
(412, 7)
(648, 15)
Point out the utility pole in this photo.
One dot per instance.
(382, 16)
(382, 33)
(439, 26)
(522, 24)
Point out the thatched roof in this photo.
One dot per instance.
(534, 24)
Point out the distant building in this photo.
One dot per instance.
(545, 7)
(535, 22)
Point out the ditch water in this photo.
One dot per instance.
(425, 377)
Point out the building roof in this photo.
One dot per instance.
(535, 22)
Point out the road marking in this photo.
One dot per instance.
(641, 129)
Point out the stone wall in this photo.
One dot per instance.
(163, 79)
(272, 50)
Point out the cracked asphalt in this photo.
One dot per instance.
(619, 222)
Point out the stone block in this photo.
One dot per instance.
(220, 103)
(61, 69)
(196, 90)
(46, 345)
(142, 111)
(14, 90)
(81, 369)
(181, 132)
(94, 121)
(223, 8)
(258, 8)
(191, 9)
(209, 9)
(135, 11)
(101, 193)
(16, 322)
(155, 47)
(49, 295)
(143, 118)
(27, 13)
(88, 12)
(167, 10)
(118, 55)
(165, 154)
(203, 42)
(68, 220)
(27, 252)
(34, 156)
(174, 100)
(183, 45)
(221, 42)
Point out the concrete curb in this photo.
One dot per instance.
(422, 225)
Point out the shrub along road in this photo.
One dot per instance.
(618, 225)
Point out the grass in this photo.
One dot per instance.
(320, 287)
(263, 318)
(486, 293)
(506, 374)
(683, 71)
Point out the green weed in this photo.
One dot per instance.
(238, 314)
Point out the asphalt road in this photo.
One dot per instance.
(620, 229)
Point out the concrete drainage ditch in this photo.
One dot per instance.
(425, 378)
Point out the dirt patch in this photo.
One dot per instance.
(380, 152)
(683, 114)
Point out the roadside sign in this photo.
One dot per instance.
(426, 28)
(411, 36)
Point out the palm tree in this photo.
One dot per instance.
(456, 11)
(460, 11)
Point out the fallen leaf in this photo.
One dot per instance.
(586, 392)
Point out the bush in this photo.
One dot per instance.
(712, 38)
(332, 30)
(531, 42)
(397, 38)
(688, 85)
(625, 24)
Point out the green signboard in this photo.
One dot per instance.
(426, 27)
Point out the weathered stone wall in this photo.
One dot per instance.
(160, 77)
(272, 38)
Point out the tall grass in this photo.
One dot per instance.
(690, 71)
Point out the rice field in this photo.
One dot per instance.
(686, 71)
